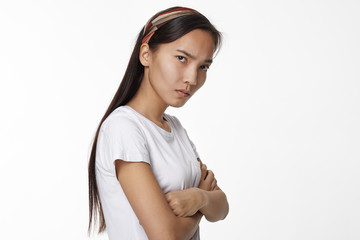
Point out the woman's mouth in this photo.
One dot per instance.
(183, 93)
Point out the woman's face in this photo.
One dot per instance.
(178, 69)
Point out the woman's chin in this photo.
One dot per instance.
(178, 104)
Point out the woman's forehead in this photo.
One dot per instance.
(197, 43)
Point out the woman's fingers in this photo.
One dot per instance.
(211, 180)
(184, 203)
(208, 181)
(210, 176)
(203, 171)
(213, 184)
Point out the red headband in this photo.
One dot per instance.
(152, 26)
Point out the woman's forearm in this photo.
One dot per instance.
(185, 227)
(216, 206)
(212, 204)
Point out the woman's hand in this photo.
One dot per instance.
(216, 206)
(147, 200)
(185, 203)
(208, 181)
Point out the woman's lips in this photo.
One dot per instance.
(183, 93)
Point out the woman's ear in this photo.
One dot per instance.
(144, 55)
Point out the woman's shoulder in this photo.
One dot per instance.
(122, 118)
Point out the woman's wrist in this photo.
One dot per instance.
(203, 198)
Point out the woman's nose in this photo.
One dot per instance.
(191, 77)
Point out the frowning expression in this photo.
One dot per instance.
(178, 69)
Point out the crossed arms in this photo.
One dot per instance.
(175, 215)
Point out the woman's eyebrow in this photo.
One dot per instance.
(191, 56)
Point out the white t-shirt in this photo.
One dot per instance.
(129, 136)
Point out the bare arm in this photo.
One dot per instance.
(208, 198)
(215, 206)
(149, 203)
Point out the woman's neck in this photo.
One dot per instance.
(149, 104)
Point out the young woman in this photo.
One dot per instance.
(146, 180)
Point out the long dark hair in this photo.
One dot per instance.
(169, 32)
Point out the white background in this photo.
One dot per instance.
(277, 120)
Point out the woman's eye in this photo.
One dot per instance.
(204, 67)
(181, 58)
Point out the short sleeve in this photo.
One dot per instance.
(121, 138)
